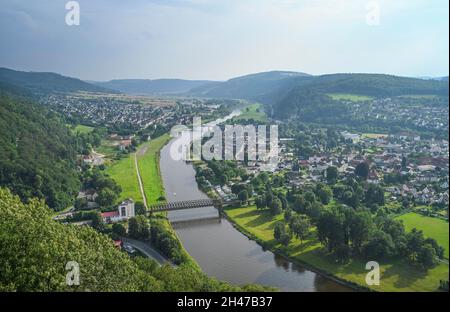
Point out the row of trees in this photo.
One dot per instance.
(348, 232)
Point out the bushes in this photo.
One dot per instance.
(166, 243)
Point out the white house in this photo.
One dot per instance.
(124, 211)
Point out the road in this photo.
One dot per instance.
(147, 250)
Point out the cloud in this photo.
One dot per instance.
(219, 39)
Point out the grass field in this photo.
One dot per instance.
(83, 129)
(349, 97)
(124, 173)
(148, 162)
(431, 227)
(254, 111)
(395, 276)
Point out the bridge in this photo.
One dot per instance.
(186, 204)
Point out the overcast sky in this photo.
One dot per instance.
(220, 39)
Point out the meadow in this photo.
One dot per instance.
(82, 129)
(124, 173)
(431, 227)
(396, 275)
(252, 112)
(148, 162)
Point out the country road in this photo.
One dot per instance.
(147, 250)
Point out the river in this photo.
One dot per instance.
(221, 250)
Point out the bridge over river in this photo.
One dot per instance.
(189, 204)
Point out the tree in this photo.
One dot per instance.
(223, 179)
(97, 221)
(426, 256)
(243, 196)
(287, 215)
(362, 170)
(139, 208)
(324, 193)
(133, 228)
(360, 227)
(80, 203)
(379, 246)
(415, 241)
(438, 249)
(300, 227)
(278, 230)
(332, 175)
(285, 238)
(139, 227)
(374, 195)
(260, 202)
(276, 206)
(106, 197)
(330, 228)
(119, 230)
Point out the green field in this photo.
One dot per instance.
(82, 129)
(395, 275)
(431, 227)
(349, 97)
(254, 111)
(124, 173)
(148, 162)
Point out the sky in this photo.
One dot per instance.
(221, 39)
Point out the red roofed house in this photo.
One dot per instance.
(124, 211)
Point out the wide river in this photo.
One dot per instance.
(221, 250)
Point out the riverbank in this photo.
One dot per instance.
(395, 276)
(125, 173)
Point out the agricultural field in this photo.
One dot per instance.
(396, 275)
(431, 227)
(349, 97)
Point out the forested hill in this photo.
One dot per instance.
(35, 249)
(37, 151)
(311, 97)
(263, 87)
(46, 82)
(376, 85)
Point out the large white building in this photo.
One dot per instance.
(124, 211)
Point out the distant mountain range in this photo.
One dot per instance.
(46, 82)
(277, 88)
(153, 87)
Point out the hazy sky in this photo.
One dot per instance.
(220, 39)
